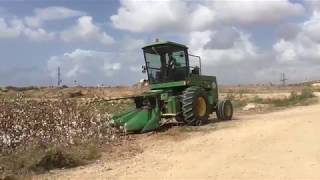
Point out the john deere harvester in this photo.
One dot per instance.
(177, 90)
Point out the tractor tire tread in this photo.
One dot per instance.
(187, 100)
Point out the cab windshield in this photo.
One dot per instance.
(166, 63)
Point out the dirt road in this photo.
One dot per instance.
(280, 145)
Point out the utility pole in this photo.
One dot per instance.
(59, 76)
(283, 79)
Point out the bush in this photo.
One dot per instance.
(38, 158)
(56, 157)
(2, 89)
(258, 100)
(230, 96)
(237, 104)
(307, 93)
(75, 94)
(66, 157)
(20, 89)
(294, 99)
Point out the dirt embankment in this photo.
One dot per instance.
(281, 145)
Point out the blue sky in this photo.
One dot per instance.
(99, 41)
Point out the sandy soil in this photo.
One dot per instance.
(277, 145)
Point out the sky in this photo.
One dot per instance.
(99, 42)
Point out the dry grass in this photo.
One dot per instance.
(77, 92)
(304, 96)
(38, 158)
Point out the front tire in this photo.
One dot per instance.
(195, 106)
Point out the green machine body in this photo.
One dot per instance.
(177, 90)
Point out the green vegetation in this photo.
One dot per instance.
(20, 89)
(304, 98)
(113, 107)
(237, 103)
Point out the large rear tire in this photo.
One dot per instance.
(195, 106)
(224, 110)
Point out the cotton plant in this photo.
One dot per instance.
(59, 121)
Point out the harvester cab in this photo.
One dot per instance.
(166, 62)
(177, 90)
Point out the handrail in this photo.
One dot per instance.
(199, 61)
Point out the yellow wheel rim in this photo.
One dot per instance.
(201, 106)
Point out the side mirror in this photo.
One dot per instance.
(144, 69)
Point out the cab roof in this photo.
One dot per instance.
(165, 43)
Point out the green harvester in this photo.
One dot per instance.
(177, 90)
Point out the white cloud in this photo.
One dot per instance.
(304, 47)
(287, 31)
(247, 12)
(110, 67)
(238, 61)
(166, 15)
(84, 65)
(242, 49)
(11, 28)
(86, 30)
(241, 61)
(285, 51)
(90, 67)
(187, 16)
(131, 44)
(314, 5)
(38, 34)
(42, 15)
(312, 27)
(135, 69)
(30, 26)
(15, 28)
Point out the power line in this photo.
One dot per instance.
(59, 76)
(283, 79)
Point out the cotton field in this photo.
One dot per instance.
(53, 121)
